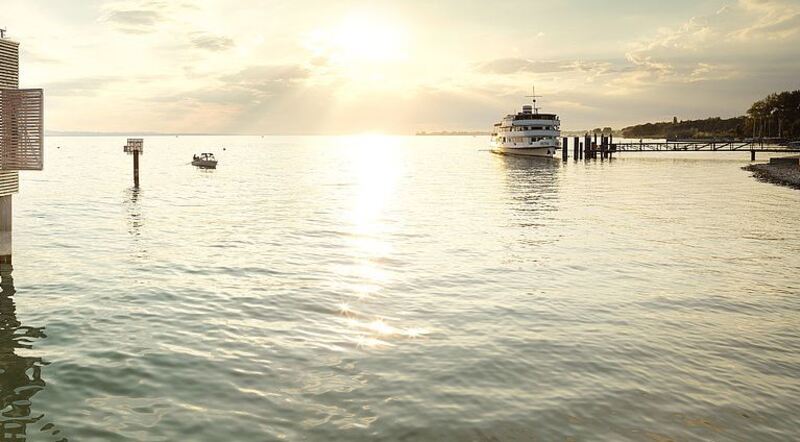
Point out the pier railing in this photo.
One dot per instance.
(701, 146)
(591, 146)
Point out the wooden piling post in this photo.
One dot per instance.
(136, 169)
(603, 147)
(6, 218)
(752, 155)
(134, 147)
(587, 146)
(564, 148)
(576, 148)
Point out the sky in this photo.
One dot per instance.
(330, 67)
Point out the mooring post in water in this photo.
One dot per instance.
(576, 148)
(136, 169)
(564, 148)
(134, 147)
(604, 147)
(6, 217)
(587, 147)
(752, 155)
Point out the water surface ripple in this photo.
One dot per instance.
(398, 288)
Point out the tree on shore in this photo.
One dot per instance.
(777, 115)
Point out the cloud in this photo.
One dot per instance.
(211, 42)
(731, 32)
(516, 65)
(78, 86)
(139, 17)
(36, 57)
(733, 42)
(134, 21)
(251, 86)
(507, 66)
(134, 18)
(776, 28)
(266, 78)
(768, 19)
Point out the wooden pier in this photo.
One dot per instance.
(605, 147)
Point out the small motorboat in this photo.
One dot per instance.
(205, 161)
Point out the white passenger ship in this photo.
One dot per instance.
(527, 133)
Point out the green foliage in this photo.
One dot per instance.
(708, 128)
(776, 115)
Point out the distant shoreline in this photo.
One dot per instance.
(58, 133)
(451, 133)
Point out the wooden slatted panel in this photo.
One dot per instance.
(134, 145)
(9, 79)
(9, 182)
(21, 129)
(9, 64)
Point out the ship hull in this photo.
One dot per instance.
(205, 164)
(545, 152)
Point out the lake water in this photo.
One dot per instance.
(398, 288)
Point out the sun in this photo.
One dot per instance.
(361, 39)
(368, 39)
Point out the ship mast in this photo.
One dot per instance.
(534, 97)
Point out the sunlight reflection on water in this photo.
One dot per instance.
(368, 287)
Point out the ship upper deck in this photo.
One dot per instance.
(531, 116)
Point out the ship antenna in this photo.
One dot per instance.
(534, 97)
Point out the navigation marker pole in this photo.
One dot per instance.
(134, 147)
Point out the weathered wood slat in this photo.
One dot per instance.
(9, 64)
(21, 129)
